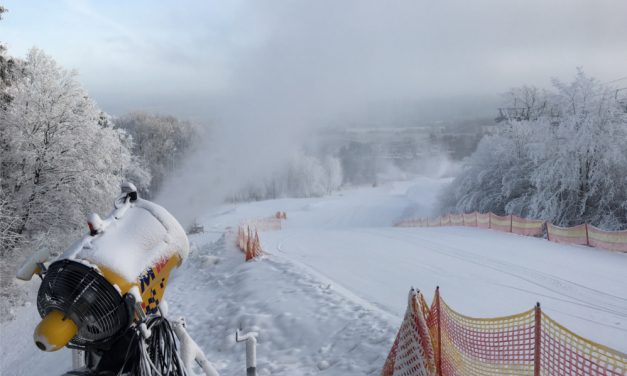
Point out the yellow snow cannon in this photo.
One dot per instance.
(111, 279)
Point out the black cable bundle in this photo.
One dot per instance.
(156, 356)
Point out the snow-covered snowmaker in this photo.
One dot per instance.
(104, 294)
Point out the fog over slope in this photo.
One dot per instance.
(266, 74)
(308, 65)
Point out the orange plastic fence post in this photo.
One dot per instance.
(249, 243)
(438, 361)
(241, 239)
(238, 240)
(257, 245)
(536, 348)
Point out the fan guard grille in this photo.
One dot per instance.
(85, 296)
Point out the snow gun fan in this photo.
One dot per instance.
(112, 279)
(79, 304)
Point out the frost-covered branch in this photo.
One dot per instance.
(567, 165)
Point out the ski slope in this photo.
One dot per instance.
(330, 294)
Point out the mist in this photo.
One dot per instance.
(320, 64)
(494, 121)
(313, 69)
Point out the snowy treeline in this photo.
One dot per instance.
(61, 157)
(305, 176)
(562, 159)
(160, 141)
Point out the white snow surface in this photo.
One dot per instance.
(331, 292)
(134, 237)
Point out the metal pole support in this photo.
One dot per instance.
(537, 351)
(438, 361)
(251, 351)
(78, 359)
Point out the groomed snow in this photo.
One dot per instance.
(329, 297)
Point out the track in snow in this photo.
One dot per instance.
(482, 273)
(330, 296)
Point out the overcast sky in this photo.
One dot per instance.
(186, 57)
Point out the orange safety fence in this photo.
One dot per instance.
(527, 227)
(582, 234)
(567, 235)
(501, 223)
(457, 220)
(248, 242)
(248, 237)
(528, 343)
(483, 220)
(446, 220)
(612, 240)
(470, 219)
(266, 224)
(563, 353)
(412, 352)
(410, 223)
(434, 222)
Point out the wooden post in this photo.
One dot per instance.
(587, 237)
(438, 361)
(489, 219)
(537, 344)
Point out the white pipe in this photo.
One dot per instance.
(251, 356)
(251, 351)
(78, 359)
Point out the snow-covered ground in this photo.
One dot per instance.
(329, 296)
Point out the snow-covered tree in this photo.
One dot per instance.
(526, 103)
(568, 169)
(359, 163)
(333, 171)
(304, 175)
(9, 238)
(58, 160)
(580, 173)
(160, 141)
(10, 71)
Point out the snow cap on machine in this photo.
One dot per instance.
(135, 236)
